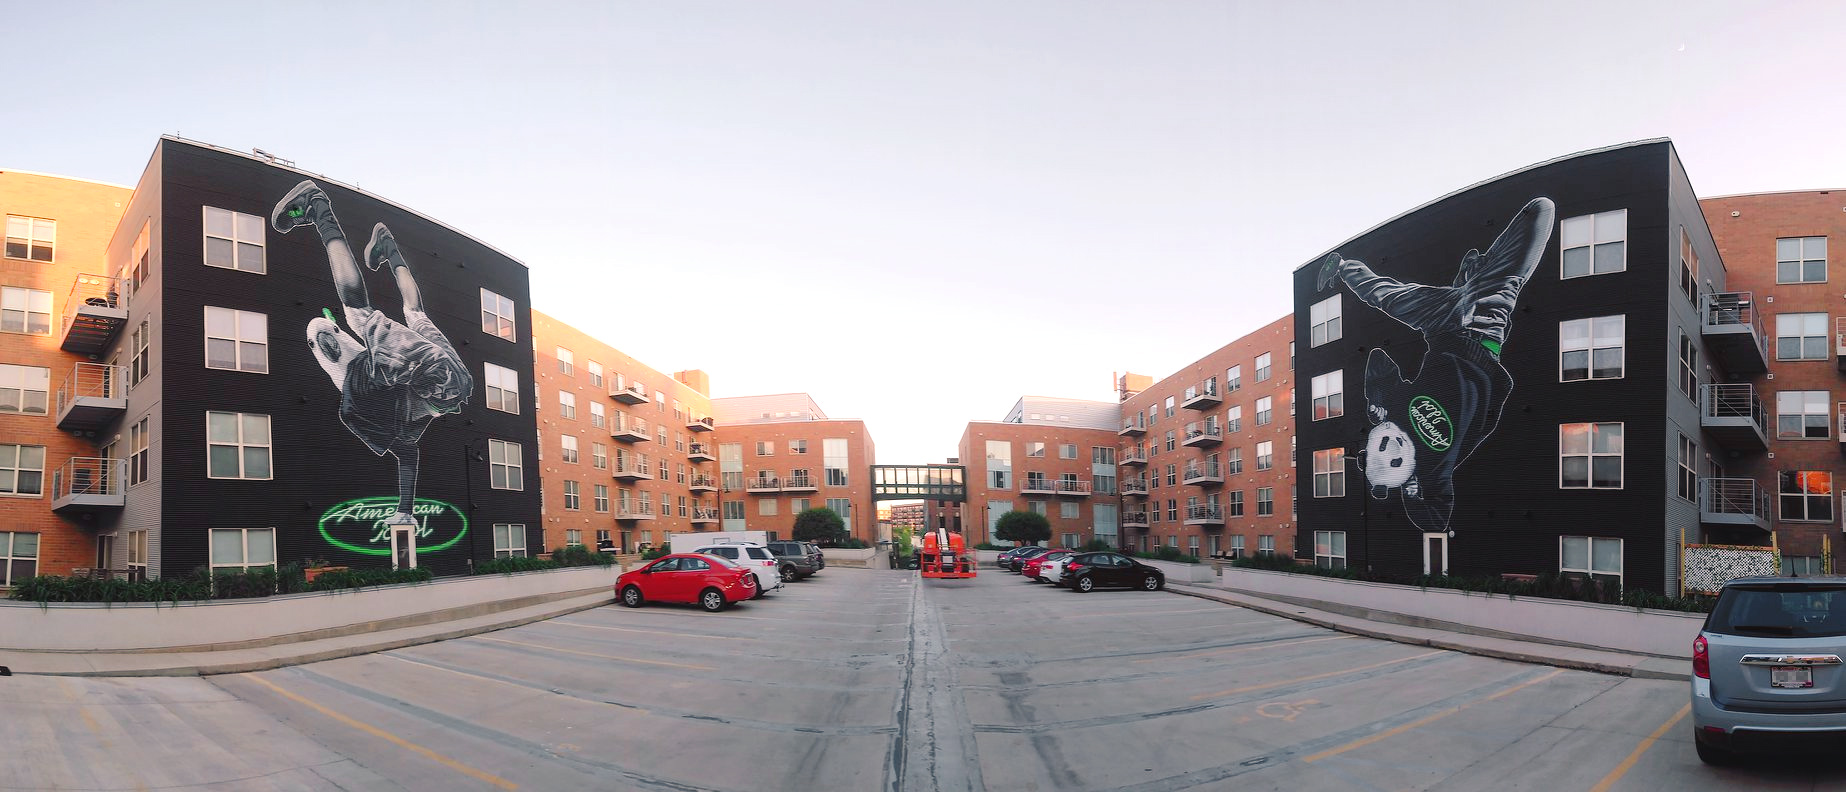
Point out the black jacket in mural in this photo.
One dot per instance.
(1453, 404)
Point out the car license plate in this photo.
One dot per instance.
(1791, 677)
(948, 559)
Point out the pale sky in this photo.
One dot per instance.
(918, 212)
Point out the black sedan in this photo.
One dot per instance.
(1090, 571)
(1012, 560)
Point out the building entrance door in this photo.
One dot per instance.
(1435, 554)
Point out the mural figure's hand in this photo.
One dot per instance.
(1329, 267)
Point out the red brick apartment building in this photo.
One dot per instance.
(58, 232)
(780, 455)
(626, 452)
(1775, 250)
(1052, 456)
(1207, 453)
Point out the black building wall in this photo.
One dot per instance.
(317, 462)
(1509, 510)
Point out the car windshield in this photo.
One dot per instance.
(1789, 610)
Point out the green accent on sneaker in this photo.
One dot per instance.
(1492, 345)
(297, 212)
(329, 314)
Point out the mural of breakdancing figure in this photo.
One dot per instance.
(1423, 428)
(394, 377)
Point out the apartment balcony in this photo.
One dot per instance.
(1839, 342)
(634, 393)
(799, 484)
(704, 516)
(1137, 519)
(699, 452)
(703, 484)
(639, 511)
(1132, 457)
(93, 315)
(1733, 331)
(1203, 475)
(630, 432)
(1133, 428)
(1037, 486)
(1733, 501)
(702, 424)
(1202, 434)
(1202, 396)
(762, 484)
(85, 485)
(1135, 487)
(1072, 488)
(92, 396)
(1734, 416)
(630, 471)
(1208, 515)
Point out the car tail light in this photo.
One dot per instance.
(1701, 658)
(1072, 566)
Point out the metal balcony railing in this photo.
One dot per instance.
(1072, 486)
(803, 481)
(1134, 487)
(1195, 472)
(97, 380)
(1204, 513)
(1732, 400)
(1739, 496)
(94, 291)
(89, 476)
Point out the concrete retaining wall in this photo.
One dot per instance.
(841, 556)
(1662, 633)
(90, 626)
(1182, 573)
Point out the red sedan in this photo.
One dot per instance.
(1036, 564)
(709, 581)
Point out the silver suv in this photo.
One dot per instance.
(1766, 669)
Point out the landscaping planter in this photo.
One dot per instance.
(1177, 572)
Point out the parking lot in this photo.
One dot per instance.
(876, 680)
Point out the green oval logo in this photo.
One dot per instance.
(358, 525)
(1431, 423)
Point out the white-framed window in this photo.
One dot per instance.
(765, 448)
(497, 316)
(25, 389)
(596, 373)
(18, 557)
(22, 470)
(237, 446)
(1324, 320)
(1067, 451)
(1802, 566)
(1688, 267)
(137, 452)
(1805, 495)
(1797, 259)
(1688, 366)
(573, 496)
(834, 460)
(1590, 456)
(1801, 336)
(596, 414)
(1592, 348)
(502, 388)
(1802, 415)
(31, 238)
(1237, 546)
(573, 537)
(1688, 469)
(1595, 244)
(798, 446)
(1233, 419)
(1265, 411)
(1595, 557)
(1329, 395)
(1067, 510)
(601, 495)
(236, 340)
(137, 549)
(567, 362)
(1262, 367)
(1330, 473)
(234, 240)
(1233, 378)
(1265, 455)
(570, 447)
(1330, 549)
(1266, 545)
(567, 405)
(733, 510)
(509, 540)
(1233, 461)
(599, 456)
(139, 267)
(506, 465)
(1265, 501)
(766, 507)
(242, 549)
(25, 310)
(1035, 449)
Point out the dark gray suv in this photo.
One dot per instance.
(796, 560)
(1766, 669)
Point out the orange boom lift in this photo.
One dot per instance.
(944, 556)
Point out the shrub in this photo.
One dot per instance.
(1096, 545)
(1548, 586)
(990, 546)
(655, 552)
(361, 578)
(511, 564)
(852, 543)
(1165, 553)
(578, 555)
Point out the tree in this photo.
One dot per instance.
(1024, 527)
(819, 524)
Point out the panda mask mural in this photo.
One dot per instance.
(1423, 427)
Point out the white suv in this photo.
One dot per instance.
(754, 557)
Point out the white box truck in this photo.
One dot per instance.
(683, 542)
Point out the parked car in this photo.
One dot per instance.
(751, 556)
(1015, 558)
(795, 560)
(1034, 567)
(1090, 571)
(710, 582)
(1053, 571)
(1766, 669)
(820, 559)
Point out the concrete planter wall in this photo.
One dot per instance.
(91, 626)
(1662, 633)
(1182, 573)
(841, 556)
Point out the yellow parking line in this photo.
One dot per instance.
(387, 736)
(1394, 731)
(1628, 764)
(653, 632)
(595, 654)
(1267, 685)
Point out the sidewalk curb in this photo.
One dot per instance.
(1639, 670)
